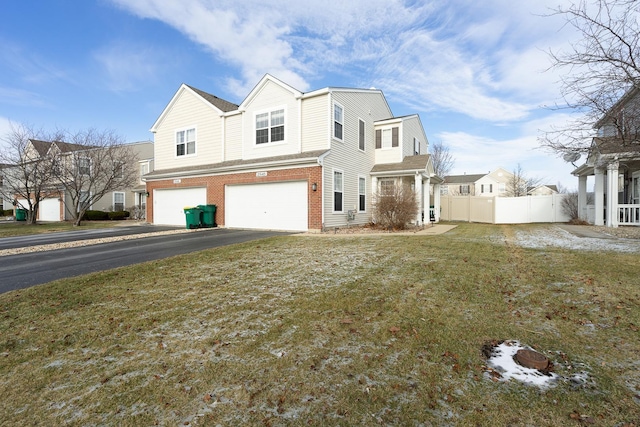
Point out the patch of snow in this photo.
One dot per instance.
(557, 237)
(502, 360)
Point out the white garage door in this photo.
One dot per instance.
(50, 209)
(168, 205)
(272, 206)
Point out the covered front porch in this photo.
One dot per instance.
(616, 190)
(417, 173)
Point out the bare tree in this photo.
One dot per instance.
(519, 183)
(27, 173)
(442, 159)
(602, 67)
(89, 165)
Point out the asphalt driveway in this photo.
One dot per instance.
(29, 269)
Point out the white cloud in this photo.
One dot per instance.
(128, 65)
(21, 97)
(5, 127)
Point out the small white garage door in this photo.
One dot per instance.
(168, 205)
(50, 209)
(272, 206)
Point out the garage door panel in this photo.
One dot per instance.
(49, 209)
(272, 206)
(169, 204)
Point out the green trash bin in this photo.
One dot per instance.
(192, 216)
(21, 214)
(208, 218)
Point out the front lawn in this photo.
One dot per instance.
(340, 330)
(18, 228)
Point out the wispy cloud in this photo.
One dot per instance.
(20, 97)
(130, 66)
(32, 68)
(431, 55)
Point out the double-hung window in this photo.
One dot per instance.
(362, 194)
(338, 191)
(84, 166)
(464, 189)
(387, 138)
(270, 127)
(338, 121)
(186, 142)
(118, 201)
(486, 188)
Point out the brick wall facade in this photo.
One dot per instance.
(216, 187)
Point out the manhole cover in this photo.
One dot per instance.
(532, 359)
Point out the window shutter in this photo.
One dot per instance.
(378, 138)
(394, 137)
(490, 188)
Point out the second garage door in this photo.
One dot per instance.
(272, 206)
(50, 209)
(168, 205)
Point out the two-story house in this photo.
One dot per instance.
(487, 185)
(56, 203)
(614, 162)
(283, 159)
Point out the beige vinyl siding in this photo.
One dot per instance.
(270, 98)
(233, 137)
(393, 154)
(346, 156)
(188, 111)
(412, 129)
(316, 115)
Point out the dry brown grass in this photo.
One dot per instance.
(328, 331)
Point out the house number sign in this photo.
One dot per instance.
(177, 181)
(261, 174)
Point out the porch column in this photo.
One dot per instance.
(612, 194)
(582, 197)
(436, 201)
(419, 197)
(599, 195)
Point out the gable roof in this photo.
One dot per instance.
(42, 147)
(263, 81)
(219, 103)
(463, 179)
(408, 166)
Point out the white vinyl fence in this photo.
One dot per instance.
(503, 210)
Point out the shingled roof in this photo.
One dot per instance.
(219, 103)
(462, 179)
(409, 163)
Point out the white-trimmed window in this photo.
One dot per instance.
(144, 169)
(84, 166)
(387, 138)
(486, 188)
(118, 201)
(444, 190)
(338, 121)
(387, 187)
(464, 189)
(270, 126)
(338, 191)
(118, 170)
(84, 198)
(416, 146)
(502, 187)
(361, 139)
(362, 194)
(186, 142)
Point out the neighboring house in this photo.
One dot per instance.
(614, 161)
(488, 185)
(284, 159)
(56, 205)
(542, 190)
(5, 203)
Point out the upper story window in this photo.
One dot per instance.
(486, 188)
(387, 138)
(338, 121)
(144, 169)
(186, 142)
(84, 166)
(270, 127)
(361, 135)
(464, 189)
(502, 187)
(118, 170)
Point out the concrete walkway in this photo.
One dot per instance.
(584, 231)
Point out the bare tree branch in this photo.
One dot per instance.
(600, 68)
(442, 159)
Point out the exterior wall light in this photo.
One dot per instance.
(314, 186)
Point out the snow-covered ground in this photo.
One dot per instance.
(555, 236)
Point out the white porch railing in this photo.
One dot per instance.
(629, 214)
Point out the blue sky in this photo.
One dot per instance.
(473, 71)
